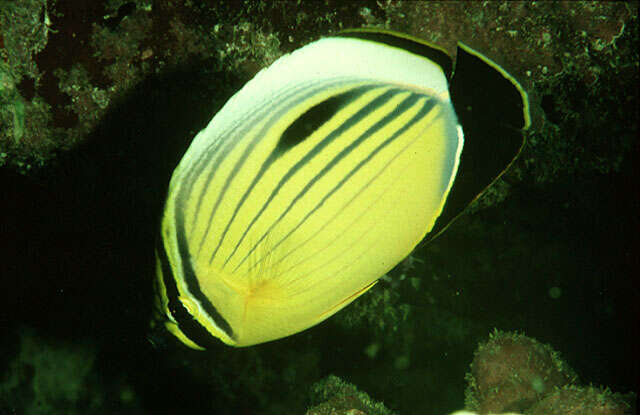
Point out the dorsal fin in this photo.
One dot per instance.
(493, 110)
(402, 41)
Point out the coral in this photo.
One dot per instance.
(11, 106)
(378, 308)
(333, 396)
(566, 215)
(510, 372)
(25, 31)
(575, 59)
(589, 400)
(26, 138)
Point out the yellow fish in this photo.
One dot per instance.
(320, 175)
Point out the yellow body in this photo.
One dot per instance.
(305, 189)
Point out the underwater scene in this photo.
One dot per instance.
(319, 207)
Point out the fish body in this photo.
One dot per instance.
(315, 179)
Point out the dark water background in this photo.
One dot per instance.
(77, 264)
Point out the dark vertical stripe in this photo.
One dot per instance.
(250, 147)
(426, 108)
(316, 116)
(187, 324)
(353, 120)
(340, 100)
(208, 153)
(189, 276)
(193, 174)
(405, 105)
(221, 139)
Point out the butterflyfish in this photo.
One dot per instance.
(320, 175)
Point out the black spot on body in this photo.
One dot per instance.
(314, 118)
